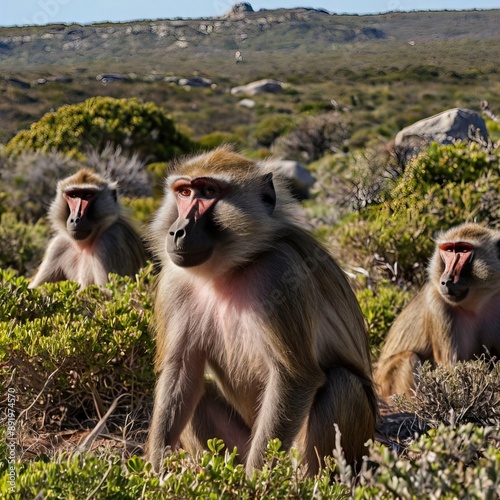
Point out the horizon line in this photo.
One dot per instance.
(325, 11)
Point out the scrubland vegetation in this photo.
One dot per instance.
(69, 356)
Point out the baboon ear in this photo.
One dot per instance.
(268, 193)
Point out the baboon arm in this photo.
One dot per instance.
(178, 391)
(50, 269)
(285, 406)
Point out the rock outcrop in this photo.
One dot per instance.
(239, 9)
(258, 87)
(444, 128)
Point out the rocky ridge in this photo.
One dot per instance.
(241, 29)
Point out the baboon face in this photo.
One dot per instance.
(192, 237)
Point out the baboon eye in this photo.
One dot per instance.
(184, 192)
(463, 247)
(447, 247)
(460, 247)
(209, 191)
(83, 195)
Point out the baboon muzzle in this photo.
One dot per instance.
(189, 241)
(80, 203)
(456, 257)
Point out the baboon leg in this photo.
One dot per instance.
(345, 402)
(214, 417)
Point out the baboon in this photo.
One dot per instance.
(259, 334)
(92, 236)
(456, 315)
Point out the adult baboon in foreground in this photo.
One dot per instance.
(456, 315)
(93, 238)
(248, 296)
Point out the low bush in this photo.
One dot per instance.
(213, 474)
(316, 107)
(381, 305)
(353, 181)
(142, 128)
(314, 136)
(157, 172)
(70, 353)
(142, 208)
(21, 244)
(216, 139)
(441, 164)
(446, 463)
(271, 127)
(468, 392)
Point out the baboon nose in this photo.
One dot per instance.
(180, 234)
(447, 281)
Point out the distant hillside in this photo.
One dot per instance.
(386, 70)
(158, 42)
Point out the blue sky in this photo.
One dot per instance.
(22, 12)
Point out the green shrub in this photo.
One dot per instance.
(21, 244)
(446, 463)
(216, 139)
(361, 137)
(388, 247)
(355, 180)
(71, 353)
(271, 127)
(213, 474)
(157, 172)
(136, 127)
(315, 107)
(80, 477)
(142, 208)
(493, 130)
(380, 306)
(441, 164)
